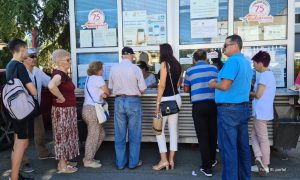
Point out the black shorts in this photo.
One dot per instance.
(24, 128)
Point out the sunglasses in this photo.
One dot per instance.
(226, 45)
(32, 56)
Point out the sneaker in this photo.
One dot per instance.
(254, 168)
(21, 177)
(215, 163)
(97, 161)
(140, 163)
(50, 156)
(27, 168)
(93, 164)
(262, 171)
(206, 172)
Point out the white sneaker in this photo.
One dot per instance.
(215, 163)
(262, 171)
(93, 164)
(254, 168)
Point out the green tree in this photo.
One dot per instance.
(50, 17)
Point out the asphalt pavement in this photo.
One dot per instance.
(283, 166)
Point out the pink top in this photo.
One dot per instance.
(298, 79)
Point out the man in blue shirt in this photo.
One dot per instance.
(204, 108)
(232, 98)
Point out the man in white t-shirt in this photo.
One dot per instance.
(39, 79)
(262, 107)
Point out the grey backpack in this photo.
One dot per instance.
(16, 99)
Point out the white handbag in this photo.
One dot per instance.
(101, 109)
(102, 112)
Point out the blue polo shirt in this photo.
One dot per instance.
(238, 69)
(197, 77)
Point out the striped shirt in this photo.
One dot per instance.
(197, 77)
(126, 79)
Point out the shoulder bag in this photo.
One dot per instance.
(101, 109)
(171, 106)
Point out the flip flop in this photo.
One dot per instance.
(72, 163)
(67, 170)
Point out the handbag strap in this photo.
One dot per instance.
(87, 89)
(171, 77)
(35, 83)
(90, 93)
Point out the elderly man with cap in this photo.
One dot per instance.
(39, 79)
(127, 83)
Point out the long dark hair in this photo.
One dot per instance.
(166, 55)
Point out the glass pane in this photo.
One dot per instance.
(186, 55)
(83, 61)
(144, 22)
(260, 20)
(203, 21)
(278, 60)
(277, 65)
(96, 23)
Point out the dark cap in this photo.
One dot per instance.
(127, 51)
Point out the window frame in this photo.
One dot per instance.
(173, 36)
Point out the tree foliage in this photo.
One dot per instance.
(50, 17)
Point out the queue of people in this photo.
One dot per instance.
(220, 109)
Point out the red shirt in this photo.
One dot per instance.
(67, 90)
(298, 79)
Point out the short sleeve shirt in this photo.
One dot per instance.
(237, 68)
(126, 78)
(298, 79)
(21, 73)
(197, 77)
(150, 80)
(92, 90)
(262, 108)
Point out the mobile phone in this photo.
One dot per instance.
(140, 36)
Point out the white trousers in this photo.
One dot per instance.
(172, 125)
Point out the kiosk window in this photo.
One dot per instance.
(203, 21)
(96, 23)
(144, 22)
(83, 60)
(260, 20)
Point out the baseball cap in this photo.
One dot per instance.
(127, 51)
(31, 51)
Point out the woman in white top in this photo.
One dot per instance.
(94, 92)
(262, 107)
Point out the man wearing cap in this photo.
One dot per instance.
(127, 83)
(39, 79)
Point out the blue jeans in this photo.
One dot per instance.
(234, 141)
(127, 115)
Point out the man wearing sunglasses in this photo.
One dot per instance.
(232, 90)
(39, 79)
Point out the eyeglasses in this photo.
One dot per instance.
(226, 45)
(68, 60)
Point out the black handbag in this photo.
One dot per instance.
(171, 106)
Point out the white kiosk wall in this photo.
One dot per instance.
(100, 29)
